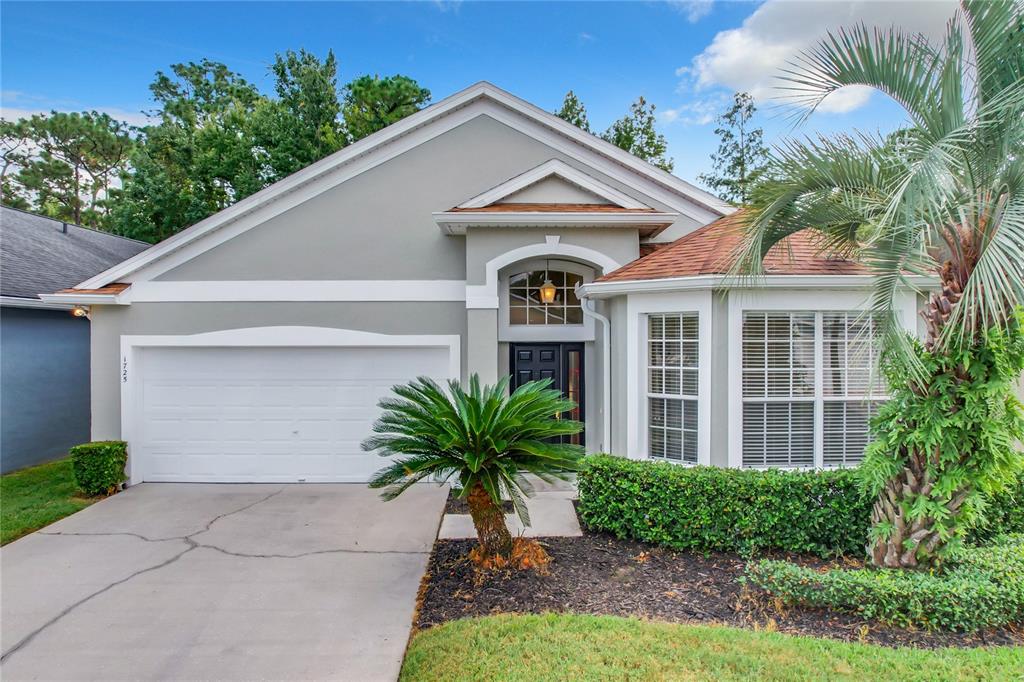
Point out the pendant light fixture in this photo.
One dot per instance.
(547, 290)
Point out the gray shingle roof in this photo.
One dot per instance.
(37, 257)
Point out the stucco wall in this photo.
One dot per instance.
(378, 225)
(44, 385)
(110, 322)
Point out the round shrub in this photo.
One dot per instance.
(99, 466)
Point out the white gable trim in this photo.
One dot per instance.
(558, 169)
(479, 99)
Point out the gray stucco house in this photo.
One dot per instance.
(44, 349)
(480, 235)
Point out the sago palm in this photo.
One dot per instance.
(943, 196)
(484, 438)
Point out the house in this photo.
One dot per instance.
(44, 348)
(480, 235)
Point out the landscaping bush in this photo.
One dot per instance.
(99, 466)
(733, 510)
(712, 509)
(978, 587)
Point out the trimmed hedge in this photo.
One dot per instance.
(730, 510)
(980, 587)
(99, 466)
(824, 513)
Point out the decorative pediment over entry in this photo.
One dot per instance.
(553, 182)
(554, 194)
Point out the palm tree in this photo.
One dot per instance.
(484, 438)
(943, 196)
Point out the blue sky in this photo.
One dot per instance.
(685, 56)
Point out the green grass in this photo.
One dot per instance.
(576, 647)
(37, 496)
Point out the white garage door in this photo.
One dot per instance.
(266, 414)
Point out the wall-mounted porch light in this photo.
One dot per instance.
(79, 311)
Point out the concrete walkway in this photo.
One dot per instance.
(551, 515)
(178, 581)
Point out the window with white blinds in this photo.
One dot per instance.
(672, 375)
(810, 387)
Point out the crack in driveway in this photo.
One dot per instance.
(192, 544)
(187, 539)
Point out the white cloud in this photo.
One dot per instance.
(750, 58)
(448, 5)
(698, 112)
(584, 37)
(693, 10)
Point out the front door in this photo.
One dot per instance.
(560, 362)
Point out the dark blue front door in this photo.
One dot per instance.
(560, 362)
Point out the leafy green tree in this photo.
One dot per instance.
(741, 154)
(635, 133)
(301, 125)
(372, 103)
(200, 157)
(574, 112)
(219, 140)
(943, 197)
(484, 438)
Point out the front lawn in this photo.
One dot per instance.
(37, 496)
(579, 647)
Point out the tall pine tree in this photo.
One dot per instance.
(741, 155)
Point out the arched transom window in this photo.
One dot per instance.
(531, 301)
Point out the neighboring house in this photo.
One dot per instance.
(44, 348)
(254, 345)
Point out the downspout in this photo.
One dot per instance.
(606, 369)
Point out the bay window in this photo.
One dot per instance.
(809, 388)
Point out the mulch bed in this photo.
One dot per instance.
(598, 574)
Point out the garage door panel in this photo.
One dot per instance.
(266, 414)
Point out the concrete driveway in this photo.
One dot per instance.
(182, 581)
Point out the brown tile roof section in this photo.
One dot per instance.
(110, 289)
(711, 250)
(553, 208)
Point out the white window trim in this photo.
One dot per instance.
(637, 310)
(538, 332)
(741, 301)
(261, 337)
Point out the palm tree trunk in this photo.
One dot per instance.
(911, 543)
(489, 521)
(914, 543)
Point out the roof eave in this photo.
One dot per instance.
(649, 224)
(598, 290)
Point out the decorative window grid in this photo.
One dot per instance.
(672, 376)
(526, 308)
(810, 387)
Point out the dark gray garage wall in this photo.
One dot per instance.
(44, 385)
